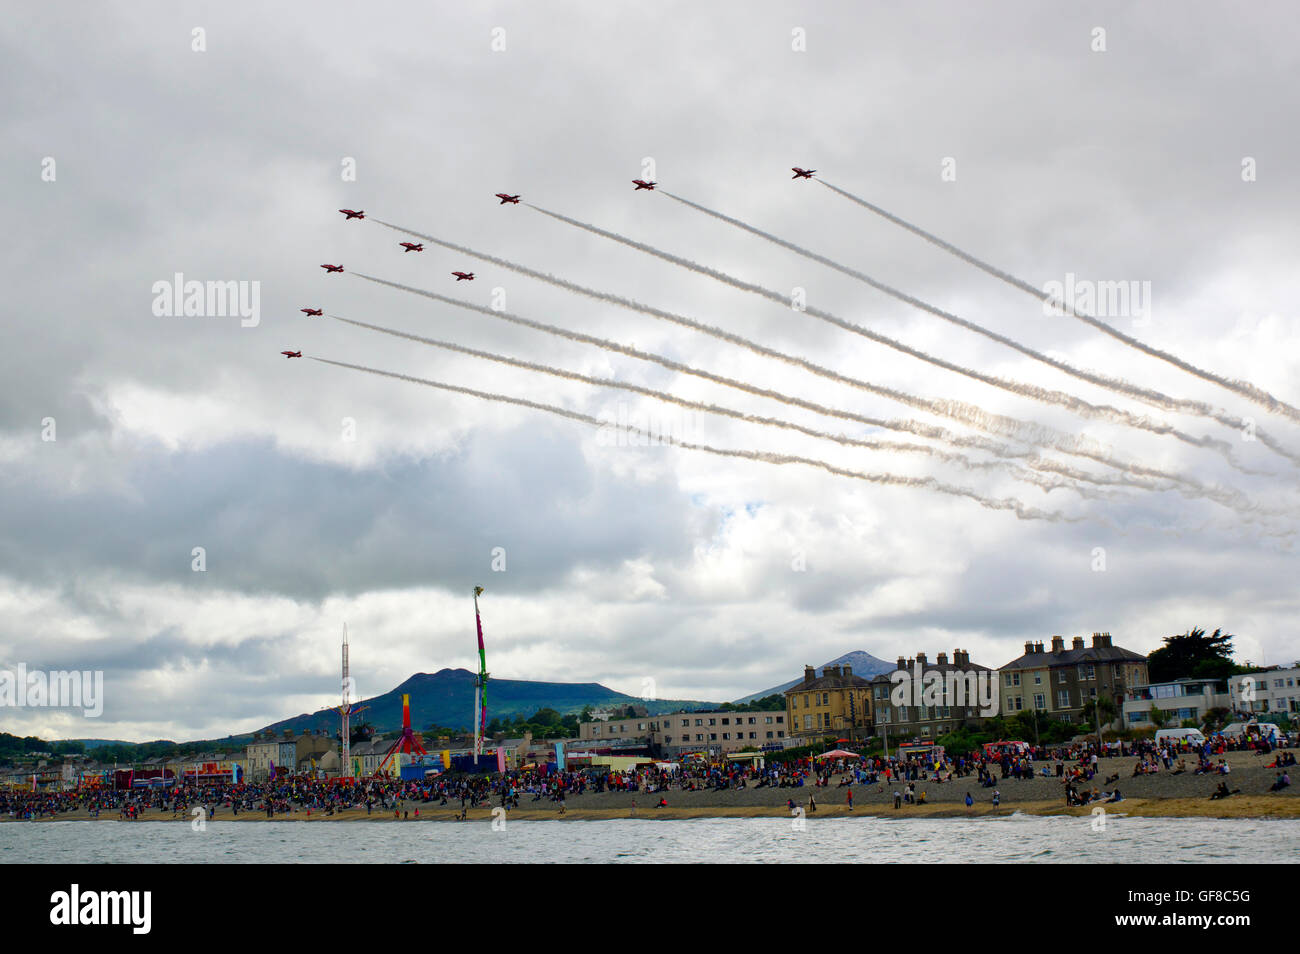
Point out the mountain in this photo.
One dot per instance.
(863, 664)
(446, 698)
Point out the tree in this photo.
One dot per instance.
(1193, 655)
(1158, 716)
(545, 716)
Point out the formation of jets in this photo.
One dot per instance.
(506, 199)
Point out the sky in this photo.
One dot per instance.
(197, 517)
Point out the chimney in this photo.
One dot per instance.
(1078, 642)
(960, 657)
(941, 659)
(848, 670)
(1038, 647)
(1096, 641)
(1105, 640)
(809, 673)
(1029, 648)
(902, 663)
(920, 658)
(1058, 644)
(831, 671)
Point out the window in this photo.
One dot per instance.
(1013, 679)
(726, 721)
(807, 722)
(1038, 679)
(767, 720)
(1017, 703)
(1063, 699)
(1060, 676)
(1040, 701)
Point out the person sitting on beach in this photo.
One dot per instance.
(1115, 796)
(1222, 791)
(1283, 780)
(920, 799)
(663, 803)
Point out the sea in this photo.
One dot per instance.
(1013, 839)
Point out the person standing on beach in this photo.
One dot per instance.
(850, 799)
(997, 798)
(969, 801)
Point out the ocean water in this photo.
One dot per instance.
(1012, 839)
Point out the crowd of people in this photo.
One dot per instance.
(1075, 766)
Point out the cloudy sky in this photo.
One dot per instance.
(1151, 145)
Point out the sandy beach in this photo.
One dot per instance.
(1163, 795)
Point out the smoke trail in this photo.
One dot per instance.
(1118, 385)
(975, 442)
(1242, 388)
(970, 415)
(967, 413)
(992, 503)
(955, 410)
(960, 459)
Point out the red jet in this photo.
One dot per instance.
(464, 276)
(411, 246)
(642, 184)
(801, 173)
(332, 268)
(311, 312)
(353, 215)
(292, 354)
(513, 199)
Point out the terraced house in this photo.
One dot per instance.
(896, 723)
(1064, 683)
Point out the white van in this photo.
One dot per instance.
(1264, 730)
(1190, 736)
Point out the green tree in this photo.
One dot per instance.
(1193, 655)
(1158, 716)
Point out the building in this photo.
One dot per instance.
(715, 731)
(1265, 692)
(920, 720)
(1178, 700)
(1064, 683)
(286, 752)
(834, 703)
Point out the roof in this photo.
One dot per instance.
(932, 666)
(1071, 657)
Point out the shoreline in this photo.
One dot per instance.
(1242, 807)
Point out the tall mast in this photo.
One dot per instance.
(345, 769)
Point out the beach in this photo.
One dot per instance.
(1162, 795)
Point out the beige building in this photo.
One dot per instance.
(834, 703)
(1064, 683)
(715, 731)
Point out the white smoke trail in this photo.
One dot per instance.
(967, 413)
(929, 483)
(956, 410)
(975, 442)
(1243, 388)
(1118, 385)
(1028, 476)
